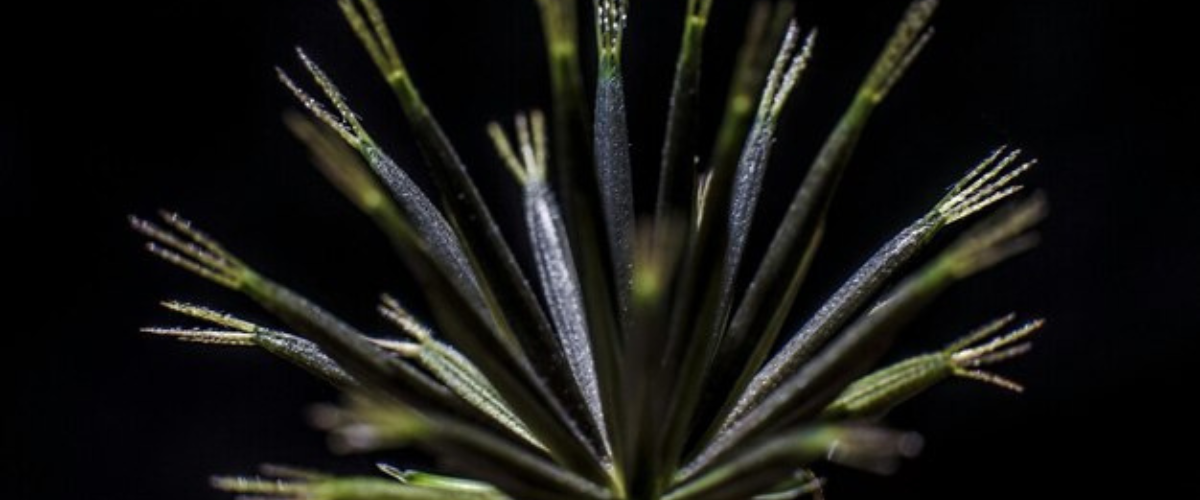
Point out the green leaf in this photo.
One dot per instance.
(677, 173)
(344, 488)
(658, 249)
(570, 119)
(571, 173)
(611, 146)
(363, 360)
(765, 32)
(561, 290)
(802, 483)
(989, 182)
(704, 297)
(413, 204)
(452, 369)
(301, 352)
(438, 481)
(191, 249)
(506, 290)
(772, 291)
(888, 387)
(760, 468)
(806, 393)
(368, 424)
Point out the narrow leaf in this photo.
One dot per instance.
(658, 251)
(571, 120)
(773, 288)
(556, 266)
(407, 323)
(439, 481)
(613, 172)
(415, 206)
(341, 488)
(703, 306)
(519, 385)
(789, 66)
(802, 483)
(888, 387)
(369, 425)
(864, 341)
(286, 485)
(350, 349)
(677, 173)
(193, 250)
(455, 372)
(506, 290)
(757, 470)
(572, 173)
(765, 32)
(975, 191)
(299, 351)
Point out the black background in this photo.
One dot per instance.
(111, 109)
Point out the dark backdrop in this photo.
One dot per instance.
(113, 108)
